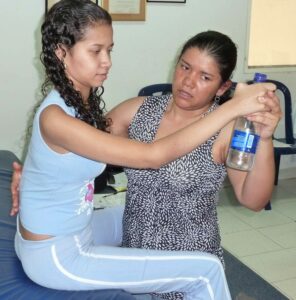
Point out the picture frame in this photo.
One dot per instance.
(125, 10)
(167, 1)
(50, 3)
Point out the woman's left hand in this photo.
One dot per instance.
(267, 121)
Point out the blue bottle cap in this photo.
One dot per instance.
(260, 77)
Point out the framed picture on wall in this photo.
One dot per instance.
(167, 1)
(125, 10)
(50, 3)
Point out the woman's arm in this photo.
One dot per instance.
(90, 142)
(62, 131)
(253, 189)
(14, 187)
(122, 115)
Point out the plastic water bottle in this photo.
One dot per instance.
(244, 141)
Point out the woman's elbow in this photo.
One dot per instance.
(256, 208)
(153, 158)
(257, 205)
(153, 163)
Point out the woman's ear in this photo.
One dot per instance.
(224, 87)
(60, 52)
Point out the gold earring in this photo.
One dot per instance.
(64, 64)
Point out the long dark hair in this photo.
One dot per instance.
(220, 47)
(65, 24)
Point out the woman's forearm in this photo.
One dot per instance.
(258, 185)
(190, 137)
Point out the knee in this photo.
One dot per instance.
(215, 264)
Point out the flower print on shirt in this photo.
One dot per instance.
(86, 198)
(90, 193)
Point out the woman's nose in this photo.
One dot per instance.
(190, 79)
(106, 60)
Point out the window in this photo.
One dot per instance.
(272, 34)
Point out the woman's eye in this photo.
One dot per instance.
(184, 67)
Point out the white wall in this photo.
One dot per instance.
(144, 53)
(19, 78)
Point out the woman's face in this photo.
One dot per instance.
(196, 80)
(88, 61)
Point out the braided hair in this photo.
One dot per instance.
(65, 24)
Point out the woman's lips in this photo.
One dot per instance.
(184, 94)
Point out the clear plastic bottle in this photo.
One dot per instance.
(242, 149)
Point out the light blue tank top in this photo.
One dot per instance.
(56, 191)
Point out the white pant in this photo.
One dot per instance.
(90, 260)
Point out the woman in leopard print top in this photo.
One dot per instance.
(174, 207)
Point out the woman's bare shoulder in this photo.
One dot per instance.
(122, 115)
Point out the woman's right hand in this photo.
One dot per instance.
(14, 187)
(248, 99)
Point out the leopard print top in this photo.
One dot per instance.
(174, 207)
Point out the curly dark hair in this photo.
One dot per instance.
(65, 24)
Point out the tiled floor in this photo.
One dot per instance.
(265, 241)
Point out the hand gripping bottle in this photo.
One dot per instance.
(242, 149)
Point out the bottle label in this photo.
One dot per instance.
(244, 141)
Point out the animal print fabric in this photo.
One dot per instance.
(174, 207)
